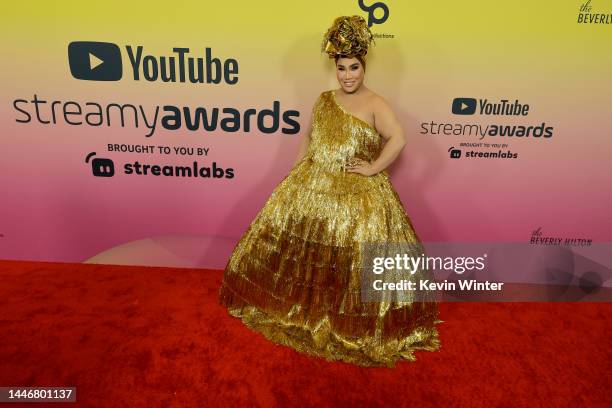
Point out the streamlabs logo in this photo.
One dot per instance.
(95, 61)
(454, 153)
(101, 167)
(464, 106)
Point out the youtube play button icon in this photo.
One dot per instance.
(464, 106)
(95, 61)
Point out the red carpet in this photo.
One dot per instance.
(155, 337)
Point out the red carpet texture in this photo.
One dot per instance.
(156, 337)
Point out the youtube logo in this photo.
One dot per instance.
(464, 106)
(95, 61)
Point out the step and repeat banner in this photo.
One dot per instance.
(152, 133)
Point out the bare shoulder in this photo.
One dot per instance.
(385, 120)
(379, 105)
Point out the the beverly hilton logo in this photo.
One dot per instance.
(586, 15)
(538, 238)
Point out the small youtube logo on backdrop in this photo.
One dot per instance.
(95, 61)
(464, 106)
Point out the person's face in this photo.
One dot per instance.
(350, 73)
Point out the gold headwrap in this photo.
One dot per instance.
(348, 35)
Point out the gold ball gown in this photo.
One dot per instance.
(294, 275)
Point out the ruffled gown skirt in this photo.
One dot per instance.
(294, 275)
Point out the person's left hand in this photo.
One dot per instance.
(357, 165)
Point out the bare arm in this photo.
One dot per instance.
(391, 130)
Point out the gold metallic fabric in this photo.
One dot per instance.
(348, 35)
(294, 275)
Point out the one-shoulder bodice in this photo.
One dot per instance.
(337, 135)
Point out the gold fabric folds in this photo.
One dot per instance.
(294, 275)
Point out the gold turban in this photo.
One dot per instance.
(348, 35)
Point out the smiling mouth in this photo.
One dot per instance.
(349, 83)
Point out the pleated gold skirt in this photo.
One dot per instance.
(294, 274)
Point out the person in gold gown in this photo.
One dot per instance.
(294, 275)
